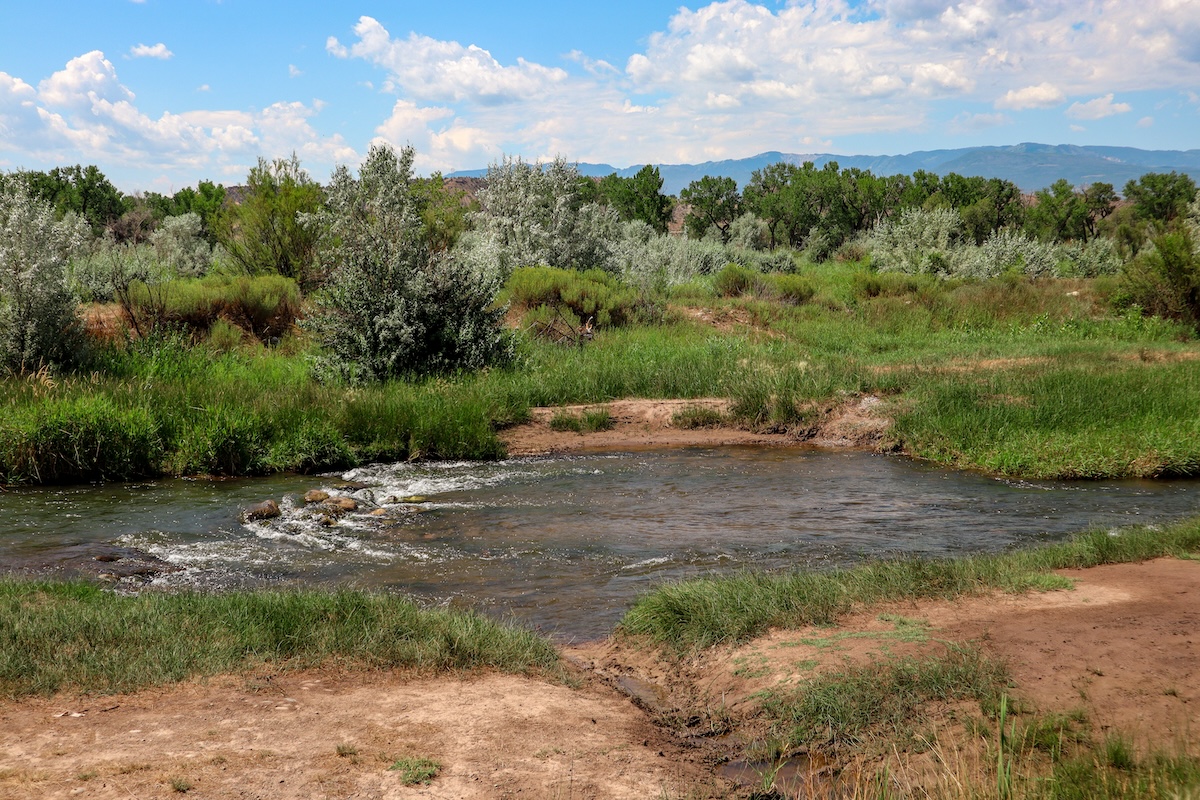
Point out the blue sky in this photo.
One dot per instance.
(162, 93)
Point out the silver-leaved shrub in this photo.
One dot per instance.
(39, 323)
(390, 306)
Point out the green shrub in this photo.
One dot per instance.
(794, 289)
(1164, 280)
(591, 294)
(225, 337)
(865, 285)
(39, 325)
(735, 281)
(588, 422)
(691, 417)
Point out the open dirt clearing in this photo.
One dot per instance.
(1123, 646)
(328, 734)
(857, 423)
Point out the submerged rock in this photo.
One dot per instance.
(267, 509)
(341, 504)
(315, 496)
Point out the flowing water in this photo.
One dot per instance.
(561, 543)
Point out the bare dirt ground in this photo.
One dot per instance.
(859, 422)
(1123, 646)
(496, 736)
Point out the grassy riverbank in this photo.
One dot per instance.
(706, 611)
(1036, 379)
(58, 636)
(900, 706)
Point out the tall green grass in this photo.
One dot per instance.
(1087, 393)
(56, 636)
(706, 611)
(1060, 420)
(884, 697)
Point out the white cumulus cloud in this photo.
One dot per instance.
(84, 113)
(1044, 95)
(151, 51)
(1099, 108)
(445, 71)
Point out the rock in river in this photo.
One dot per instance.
(267, 509)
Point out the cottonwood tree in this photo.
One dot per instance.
(391, 306)
(1161, 196)
(638, 198)
(39, 325)
(715, 202)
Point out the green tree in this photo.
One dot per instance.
(638, 198)
(1058, 214)
(1161, 196)
(391, 306)
(443, 211)
(768, 196)
(715, 202)
(82, 190)
(1099, 200)
(263, 232)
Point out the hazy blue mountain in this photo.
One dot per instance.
(1030, 165)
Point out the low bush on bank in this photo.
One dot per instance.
(265, 306)
(699, 613)
(592, 294)
(72, 635)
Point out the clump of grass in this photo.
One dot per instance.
(691, 417)
(1100, 776)
(58, 635)
(843, 707)
(706, 611)
(346, 750)
(734, 281)
(415, 771)
(181, 785)
(588, 422)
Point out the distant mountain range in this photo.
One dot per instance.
(1031, 166)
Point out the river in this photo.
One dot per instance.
(564, 544)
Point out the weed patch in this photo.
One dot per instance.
(415, 771)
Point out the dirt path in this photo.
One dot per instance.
(1123, 646)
